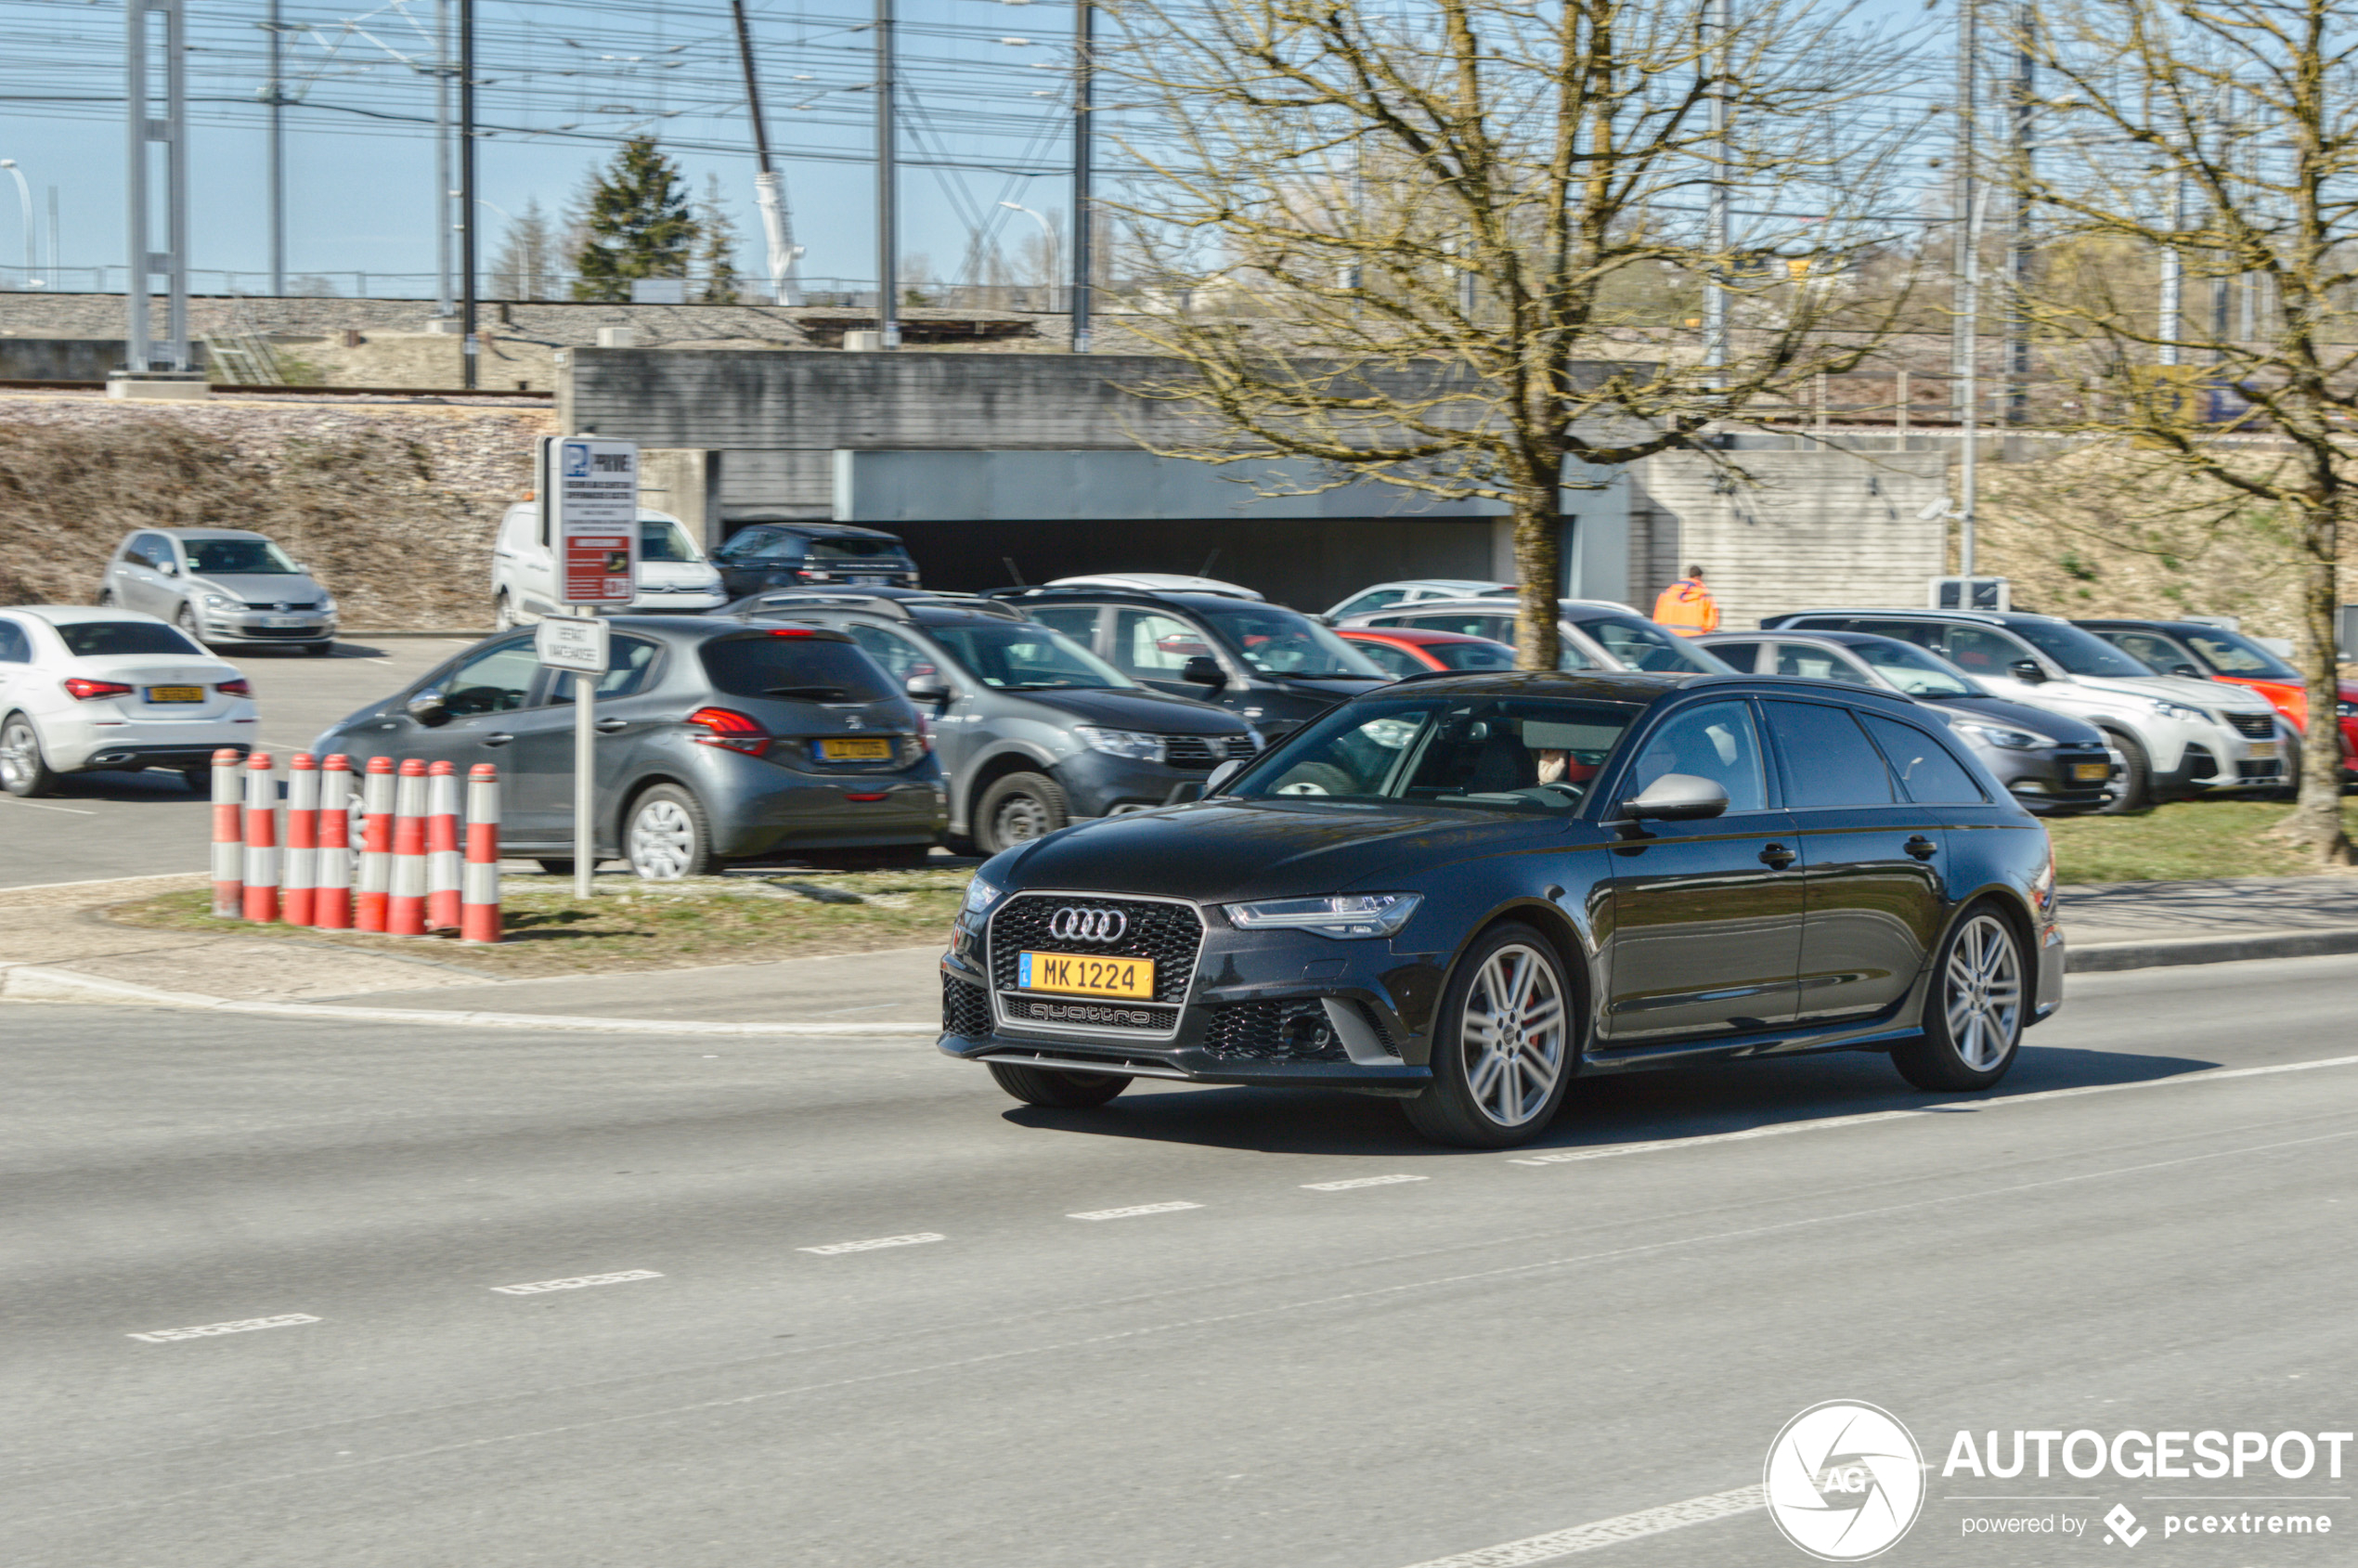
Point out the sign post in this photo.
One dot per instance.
(593, 509)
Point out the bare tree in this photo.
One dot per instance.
(1457, 245)
(527, 264)
(2215, 144)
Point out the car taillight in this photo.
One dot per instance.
(240, 688)
(725, 727)
(925, 736)
(85, 691)
(792, 631)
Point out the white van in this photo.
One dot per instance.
(674, 575)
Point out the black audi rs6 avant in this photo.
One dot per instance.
(1459, 890)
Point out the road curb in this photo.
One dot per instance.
(2103, 957)
(33, 982)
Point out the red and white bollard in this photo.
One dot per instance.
(302, 839)
(405, 905)
(228, 836)
(442, 848)
(332, 895)
(262, 840)
(479, 909)
(376, 846)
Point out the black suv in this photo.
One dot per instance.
(766, 553)
(1273, 667)
(1033, 730)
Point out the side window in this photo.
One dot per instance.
(1812, 664)
(1829, 760)
(15, 646)
(631, 660)
(152, 549)
(2145, 647)
(1745, 657)
(900, 657)
(1980, 652)
(1076, 621)
(495, 680)
(1391, 660)
(1715, 741)
(1148, 644)
(1929, 775)
(1924, 634)
(1367, 603)
(1469, 623)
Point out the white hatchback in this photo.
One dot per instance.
(92, 688)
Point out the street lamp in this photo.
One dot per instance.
(1047, 232)
(24, 199)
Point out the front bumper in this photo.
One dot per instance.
(1099, 785)
(254, 627)
(2044, 782)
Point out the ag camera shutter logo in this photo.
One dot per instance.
(1844, 1480)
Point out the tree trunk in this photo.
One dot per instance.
(1539, 569)
(2316, 822)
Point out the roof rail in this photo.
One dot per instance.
(788, 601)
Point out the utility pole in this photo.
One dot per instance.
(1084, 91)
(1715, 222)
(1961, 341)
(888, 200)
(444, 304)
(1969, 386)
(278, 162)
(141, 353)
(468, 347)
(2173, 274)
(2018, 250)
(768, 191)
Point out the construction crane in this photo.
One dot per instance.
(769, 190)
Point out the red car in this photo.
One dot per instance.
(1404, 651)
(2198, 649)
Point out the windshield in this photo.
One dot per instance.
(1914, 671)
(1489, 754)
(237, 558)
(883, 554)
(1278, 642)
(1640, 644)
(100, 640)
(2230, 653)
(1025, 657)
(2079, 652)
(662, 539)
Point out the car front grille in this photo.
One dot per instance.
(2257, 726)
(251, 631)
(1206, 752)
(966, 1009)
(1082, 1012)
(305, 604)
(1274, 1032)
(1171, 934)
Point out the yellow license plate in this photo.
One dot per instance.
(1079, 974)
(2092, 772)
(866, 749)
(176, 693)
(2261, 748)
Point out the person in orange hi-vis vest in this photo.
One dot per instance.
(1686, 607)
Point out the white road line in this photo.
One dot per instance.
(1360, 1181)
(832, 1247)
(1607, 1531)
(37, 806)
(242, 1326)
(577, 1282)
(1133, 1209)
(1947, 1108)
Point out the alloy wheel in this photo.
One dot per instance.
(663, 841)
(1983, 992)
(1021, 818)
(1513, 1034)
(19, 755)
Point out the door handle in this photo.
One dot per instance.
(608, 726)
(500, 738)
(1922, 848)
(1776, 857)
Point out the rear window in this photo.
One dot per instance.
(793, 667)
(101, 640)
(882, 554)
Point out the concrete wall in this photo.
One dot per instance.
(66, 359)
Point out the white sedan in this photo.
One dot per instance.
(89, 689)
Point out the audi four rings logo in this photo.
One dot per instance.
(1088, 925)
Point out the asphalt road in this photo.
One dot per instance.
(139, 825)
(1256, 1368)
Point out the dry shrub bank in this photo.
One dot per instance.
(394, 508)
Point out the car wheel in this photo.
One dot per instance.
(668, 837)
(1974, 1016)
(1046, 1086)
(106, 599)
(1502, 1046)
(1016, 809)
(187, 621)
(2134, 789)
(503, 614)
(24, 771)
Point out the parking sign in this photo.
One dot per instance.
(595, 491)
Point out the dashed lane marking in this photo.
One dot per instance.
(1607, 1531)
(1360, 1181)
(242, 1326)
(832, 1247)
(1132, 1210)
(577, 1282)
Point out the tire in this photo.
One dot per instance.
(1510, 985)
(1046, 1086)
(1974, 1010)
(669, 836)
(555, 868)
(24, 772)
(187, 621)
(106, 599)
(2136, 779)
(318, 650)
(503, 614)
(1016, 809)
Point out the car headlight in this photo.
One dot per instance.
(2180, 711)
(326, 603)
(1337, 914)
(1136, 745)
(2004, 738)
(981, 896)
(219, 602)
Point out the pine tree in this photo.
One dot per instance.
(635, 223)
(716, 247)
(525, 267)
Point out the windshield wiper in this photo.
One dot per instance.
(824, 693)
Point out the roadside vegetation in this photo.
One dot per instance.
(2186, 839)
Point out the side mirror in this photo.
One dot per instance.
(928, 689)
(1202, 669)
(2189, 671)
(1221, 775)
(1678, 797)
(2031, 673)
(428, 707)
(168, 569)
